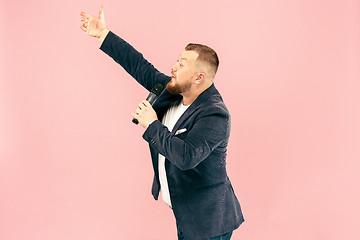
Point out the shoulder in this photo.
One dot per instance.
(214, 105)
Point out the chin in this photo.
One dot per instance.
(171, 87)
(171, 84)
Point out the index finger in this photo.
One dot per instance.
(84, 14)
(146, 103)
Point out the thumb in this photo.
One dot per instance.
(101, 13)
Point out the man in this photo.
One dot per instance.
(187, 129)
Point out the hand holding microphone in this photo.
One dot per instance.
(145, 114)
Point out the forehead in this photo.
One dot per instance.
(188, 55)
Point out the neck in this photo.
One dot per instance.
(190, 96)
(188, 100)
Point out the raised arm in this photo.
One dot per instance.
(122, 52)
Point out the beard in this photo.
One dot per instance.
(176, 88)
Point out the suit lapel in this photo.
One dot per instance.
(194, 106)
(165, 99)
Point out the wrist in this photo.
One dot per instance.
(103, 34)
(150, 123)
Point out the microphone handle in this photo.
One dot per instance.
(151, 98)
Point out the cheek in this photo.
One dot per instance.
(183, 75)
(179, 76)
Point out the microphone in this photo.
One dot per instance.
(154, 93)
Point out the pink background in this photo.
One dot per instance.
(73, 166)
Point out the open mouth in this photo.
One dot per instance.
(173, 75)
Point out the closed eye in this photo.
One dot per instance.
(181, 61)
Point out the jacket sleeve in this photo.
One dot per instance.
(133, 61)
(207, 133)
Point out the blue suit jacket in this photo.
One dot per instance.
(203, 200)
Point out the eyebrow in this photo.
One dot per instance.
(183, 59)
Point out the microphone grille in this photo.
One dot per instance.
(157, 89)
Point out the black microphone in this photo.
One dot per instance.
(154, 93)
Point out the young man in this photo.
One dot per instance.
(188, 129)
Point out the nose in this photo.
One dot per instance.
(173, 67)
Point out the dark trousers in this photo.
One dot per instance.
(226, 236)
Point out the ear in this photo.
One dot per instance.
(200, 77)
